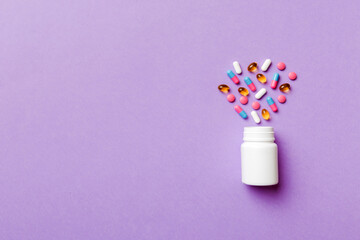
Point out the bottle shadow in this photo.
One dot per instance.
(278, 189)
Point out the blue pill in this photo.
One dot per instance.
(270, 100)
(247, 80)
(276, 77)
(230, 74)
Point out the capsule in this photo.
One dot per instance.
(233, 77)
(265, 114)
(275, 80)
(272, 104)
(224, 88)
(266, 65)
(285, 87)
(255, 116)
(250, 84)
(252, 67)
(260, 93)
(240, 111)
(261, 78)
(237, 67)
(243, 91)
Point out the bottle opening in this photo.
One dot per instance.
(262, 134)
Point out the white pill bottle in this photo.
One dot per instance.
(259, 157)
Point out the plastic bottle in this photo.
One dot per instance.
(259, 157)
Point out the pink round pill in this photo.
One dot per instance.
(255, 105)
(292, 75)
(244, 100)
(281, 66)
(230, 97)
(281, 99)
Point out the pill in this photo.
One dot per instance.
(255, 116)
(281, 66)
(272, 104)
(265, 114)
(260, 93)
(250, 84)
(285, 87)
(240, 111)
(237, 67)
(281, 99)
(244, 100)
(266, 65)
(243, 91)
(233, 77)
(230, 97)
(275, 80)
(224, 88)
(255, 105)
(261, 78)
(252, 67)
(292, 76)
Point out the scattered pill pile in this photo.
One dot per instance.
(244, 92)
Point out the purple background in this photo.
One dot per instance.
(112, 126)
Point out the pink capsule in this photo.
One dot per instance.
(275, 80)
(250, 84)
(240, 111)
(233, 77)
(272, 104)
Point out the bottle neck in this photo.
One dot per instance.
(259, 134)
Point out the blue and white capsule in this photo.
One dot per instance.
(272, 104)
(250, 84)
(240, 111)
(275, 80)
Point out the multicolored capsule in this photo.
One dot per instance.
(240, 111)
(272, 104)
(250, 84)
(233, 77)
(275, 80)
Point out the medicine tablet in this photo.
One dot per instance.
(237, 67)
(255, 105)
(230, 97)
(275, 80)
(233, 77)
(244, 100)
(240, 111)
(292, 76)
(266, 65)
(281, 99)
(272, 104)
(255, 116)
(260, 93)
(281, 66)
(250, 84)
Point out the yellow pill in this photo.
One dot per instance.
(224, 88)
(265, 114)
(285, 87)
(261, 78)
(243, 91)
(252, 67)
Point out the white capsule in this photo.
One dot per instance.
(255, 116)
(237, 67)
(260, 93)
(266, 65)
